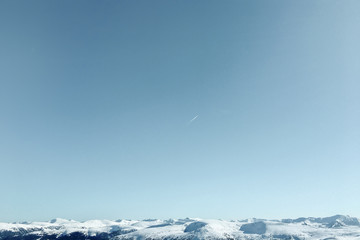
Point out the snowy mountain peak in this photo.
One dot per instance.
(60, 221)
(334, 227)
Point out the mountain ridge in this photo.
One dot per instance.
(335, 227)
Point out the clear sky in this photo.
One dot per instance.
(172, 109)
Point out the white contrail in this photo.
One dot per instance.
(193, 119)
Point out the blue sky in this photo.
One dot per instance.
(97, 98)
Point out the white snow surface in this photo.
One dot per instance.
(337, 227)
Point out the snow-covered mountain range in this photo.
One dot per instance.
(330, 228)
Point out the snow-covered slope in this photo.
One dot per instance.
(336, 227)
